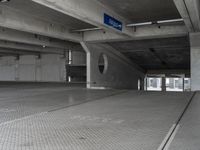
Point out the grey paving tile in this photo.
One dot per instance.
(129, 121)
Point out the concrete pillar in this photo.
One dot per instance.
(142, 84)
(163, 84)
(17, 69)
(38, 70)
(62, 69)
(195, 61)
(145, 83)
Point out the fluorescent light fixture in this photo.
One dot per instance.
(3, 1)
(139, 24)
(69, 79)
(84, 30)
(156, 22)
(170, 21)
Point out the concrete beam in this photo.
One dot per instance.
(169, 72)
(139, 33)
(32, 48)
(90, 11)
(156, 55)
(115, 52)
(6, 55)
(190, 12)
(14, 19)
(125, 76)
(8, 51)
(158, 44)
(95, 12)
(34, 39)
(156, 48)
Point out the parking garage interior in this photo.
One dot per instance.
(99, 75)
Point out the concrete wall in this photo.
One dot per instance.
(120, 73)
(26, 68)
(50, 68)
(195, 61)
(78, 57)
(77, 70)
(8, 67)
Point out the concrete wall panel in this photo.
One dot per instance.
(7, 68)
(50, 68)
(27, 68)
(120, 73)
(195, 61)
(78, 57)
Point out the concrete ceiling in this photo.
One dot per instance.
(13, 40)
(144, 10)
(24, 42)
(45, 13)
(168, 53)
(155, 54)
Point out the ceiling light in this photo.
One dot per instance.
(156, 22)
(88, 29)
(139, 24)
(170, 21)
(4, 1)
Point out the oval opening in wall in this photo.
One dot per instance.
(103, 63)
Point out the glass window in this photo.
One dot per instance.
(154, 84)
(174, 84)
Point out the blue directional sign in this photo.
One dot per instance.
(112, 22)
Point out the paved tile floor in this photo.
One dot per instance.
(17, 101)
(38, 117)
(188, 135)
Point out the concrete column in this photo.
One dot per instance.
(164, 84)
(145, 83)
(62, 69)
(183, 84)
(38, 72)
(17, 69)
(195, 61)
(142, 84)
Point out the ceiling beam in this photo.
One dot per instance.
(34, 39)
(154, 53)
(169, 72)
(114, 51)
(26, 47)
(7, 55)
(17, 52)
(138, 33)
(90, 11)
(190, 12)
(93, 12)
(171, 49)
(18, 20)
(163, 43)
